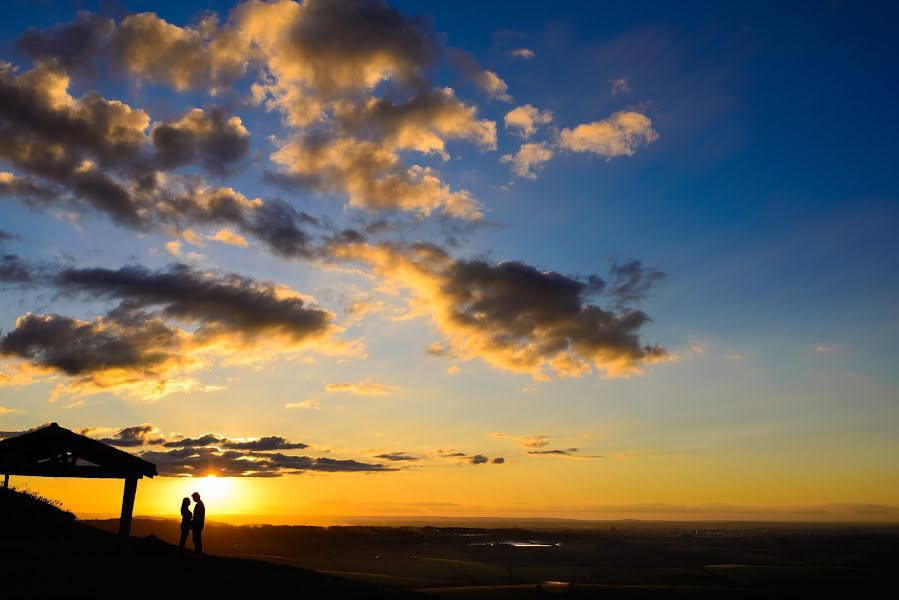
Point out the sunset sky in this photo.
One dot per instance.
(586, 260)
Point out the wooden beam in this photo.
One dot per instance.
(6, 480)
(127, 506)
(47, 469)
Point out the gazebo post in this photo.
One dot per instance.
(127, 506)
(6, 480)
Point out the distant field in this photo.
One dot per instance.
(623, 560)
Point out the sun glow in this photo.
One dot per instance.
(218, 492)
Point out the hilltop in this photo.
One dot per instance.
(46, 552)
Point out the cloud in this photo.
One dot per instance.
(622, 134)
(173, 248)
(437, 349)
(49, 134)
(533, 441)
(567, 452)
(72, 45)
(523, 53)
(491, 83)
(397, 457)
(11, 434)
(25, 189)
(98, 152)
(215, 454)
(632, 281)
(262, 444)
(333, 47)
(147, 48)
(619, 86)
(207, 56)
(228, 305)
(209, 138)
(308, 404)
(471, 459)
(512, 315)
(528, 160)
(129, 437)
(227, 236)
(363, 388)
(320, 62)
(370, 173)
(134, 350)
(5, 410)
(526, 118)
(132, 354)
(202, 461)
(326, 59)
(6, 236)
(14, 270)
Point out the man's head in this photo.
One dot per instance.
(195, 496)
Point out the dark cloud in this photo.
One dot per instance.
(209, 439)
(129, 437)
(210, 138)
(513, 315)
(263, 444)
(334, 47)
(136, 343)
(72, 44)
(567, 452)
(473, 459)
(13, 269)
(488, 81)
(35, 108)
(11, 434)
(631, 281)
(229, 303)
(6, 236)
(26, 190)
(145, 47)
(206, 460)
(450, 454)
(397, 456)
(132, 348)
(267, 443)
(97, 153)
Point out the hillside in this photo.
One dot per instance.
(45, 552)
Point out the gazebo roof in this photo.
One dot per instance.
(54, 451)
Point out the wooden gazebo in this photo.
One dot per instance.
(54, 451)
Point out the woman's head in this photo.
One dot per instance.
(185, 502)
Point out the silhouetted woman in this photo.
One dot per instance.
(185, 521)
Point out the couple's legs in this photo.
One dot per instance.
(183, 539)
(198, 540)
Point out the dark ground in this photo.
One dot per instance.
(633, 560)
(45, 552)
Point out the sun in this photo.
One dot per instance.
(215, 491)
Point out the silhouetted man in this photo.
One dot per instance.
(196, 524)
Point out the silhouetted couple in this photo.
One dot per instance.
(193, 522)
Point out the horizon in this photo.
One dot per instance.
(417, 259)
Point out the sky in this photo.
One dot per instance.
(581, 260)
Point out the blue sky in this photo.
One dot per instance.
(769, 199)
